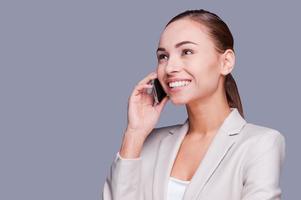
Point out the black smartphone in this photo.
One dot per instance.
(158, 91)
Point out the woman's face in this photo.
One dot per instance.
(197, 62)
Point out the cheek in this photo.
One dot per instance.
(160, 71)
(160, 76)
(207, 80)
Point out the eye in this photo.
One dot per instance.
(188, 50)
(160, 56)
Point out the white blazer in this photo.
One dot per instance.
(243, 162)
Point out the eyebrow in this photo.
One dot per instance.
(177, 45)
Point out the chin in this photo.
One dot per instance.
(178, 101)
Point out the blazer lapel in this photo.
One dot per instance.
(221, 144)
(169, 147)
(167, 152)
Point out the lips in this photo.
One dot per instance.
(176, 79)
(173, 90)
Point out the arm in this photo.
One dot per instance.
(124, 180)
(262, 171)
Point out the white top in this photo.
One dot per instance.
(176, 188)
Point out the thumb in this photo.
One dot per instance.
(163, 102)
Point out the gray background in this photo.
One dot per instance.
(68, 67)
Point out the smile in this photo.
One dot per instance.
(178, 84)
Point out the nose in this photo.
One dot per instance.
(173, 65)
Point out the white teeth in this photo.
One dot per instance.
(178, 83)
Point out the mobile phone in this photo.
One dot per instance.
(158, 91)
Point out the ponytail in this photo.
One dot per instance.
(232, 94)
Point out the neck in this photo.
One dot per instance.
(206, 116)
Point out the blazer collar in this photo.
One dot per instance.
(169, 147)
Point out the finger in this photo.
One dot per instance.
(148, 78)
(163, 102)
(140, 88)
(143, 86)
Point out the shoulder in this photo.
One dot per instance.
(261, 134)
(262, 139)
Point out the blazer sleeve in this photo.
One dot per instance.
(123, 181)
(263, 168)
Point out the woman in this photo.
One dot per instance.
(215, 154)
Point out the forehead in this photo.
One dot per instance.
(184, 29)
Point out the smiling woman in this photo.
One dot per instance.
(215, 154)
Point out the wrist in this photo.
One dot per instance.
(131, 145)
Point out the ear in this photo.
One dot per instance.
(227, 61)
